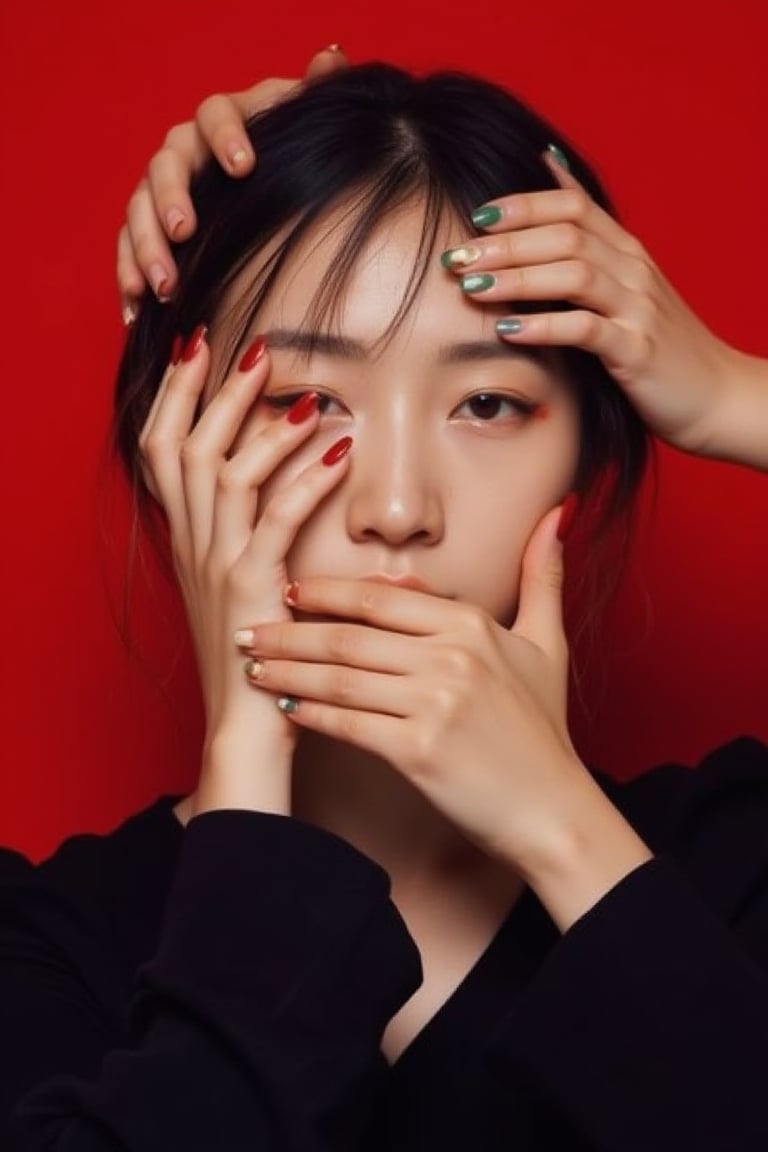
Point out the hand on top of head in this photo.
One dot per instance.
(160, 209)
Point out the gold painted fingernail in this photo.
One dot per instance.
(254, 670)
(244, 637)
(460, 257)
(237, 156)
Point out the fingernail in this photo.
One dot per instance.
(333, 48)
(302, 409)
(254, 670)
(509, 326)
(244, 637)
(176, 349)
(287, 704)
(486, 215)
(291, 594)
(477, 282)
(567, 516)
(194, 344)
(337, 451)
(129, 314)
(236, 155)
(158, 280)
(459, 257)
(253, 354)
(174, 218)
(559, 156)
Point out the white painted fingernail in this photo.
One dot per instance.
(244, 637)
(130, 313)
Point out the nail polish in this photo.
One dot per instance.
(303, 408)
(291, 594)
(567, 516)
(252, 354)
(129, 313)
(460, 257)
(176, 349)
(194, 344)
(509, 326)
(486, 216)
(287, 704)
(243, 637)
(559, 156)
(337, 451)
(254, 670)
(477, 282)
(174, 218)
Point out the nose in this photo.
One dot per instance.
(394, 489)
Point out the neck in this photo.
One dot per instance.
(368, 803)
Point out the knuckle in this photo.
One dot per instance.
(343, 645)
(192, 454)
(582, 277)
(342, 685)
(570, 239)
(177, 136)
(459, 662)
(474, 621)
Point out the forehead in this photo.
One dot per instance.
(332, 282)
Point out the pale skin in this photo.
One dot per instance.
(434, 734)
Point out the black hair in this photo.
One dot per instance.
(372, 137)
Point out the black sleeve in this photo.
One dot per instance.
(647, 1025)
(258, 1023)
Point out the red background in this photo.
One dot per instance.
(669, 102)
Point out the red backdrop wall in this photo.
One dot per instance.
(669, 102)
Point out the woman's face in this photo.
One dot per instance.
(461, 442)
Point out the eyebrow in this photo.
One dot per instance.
(344, 348)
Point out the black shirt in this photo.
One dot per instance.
(226, 987)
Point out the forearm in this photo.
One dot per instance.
(739, 431)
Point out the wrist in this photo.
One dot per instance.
(247, 766)
(585, 852)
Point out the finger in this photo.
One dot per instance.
(532, 209)
(353, 645)
(240, 478)
(573, 280)
(329, 59)
(385, 736)
(221, 120)
(288, 509)
(548, 244)
(618, 347)
(540, 610)
(130, 278)
(397, 609)
(149, 244)
(557, 162)
(168, 175)
(161, 442)
(335, 684)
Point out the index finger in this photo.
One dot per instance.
(404, 610)
(554, 206)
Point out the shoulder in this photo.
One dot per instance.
(711, 817)
(95, 891)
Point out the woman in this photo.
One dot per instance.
(424, 923)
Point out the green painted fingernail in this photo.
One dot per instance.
(477, 281)
(486, 215)
(287, 704)
(509, 326)
(559, 156)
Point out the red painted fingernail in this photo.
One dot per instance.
(194, 344)
(253, 354)
(337, 451)
(176, 349)
(567, 516)
(302, 409)
(292, 592)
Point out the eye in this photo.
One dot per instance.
(282, 401)
(496, 407)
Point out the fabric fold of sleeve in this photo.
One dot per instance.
(258, 1022)
(647, 1025)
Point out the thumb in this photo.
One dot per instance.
(540, 610)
